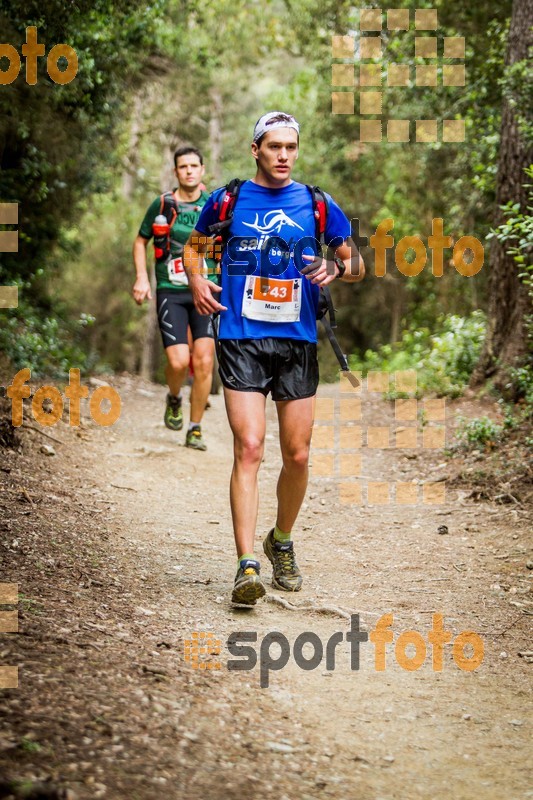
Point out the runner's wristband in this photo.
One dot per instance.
(340, 266)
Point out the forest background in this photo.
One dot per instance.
(84, 160)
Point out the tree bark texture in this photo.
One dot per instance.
(509, 301)
(215, 137)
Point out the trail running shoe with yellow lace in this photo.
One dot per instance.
(194, 439)
(174, 413)
(285, 572)
(248, 586)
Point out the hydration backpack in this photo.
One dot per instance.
(169, 207)
(325, 308)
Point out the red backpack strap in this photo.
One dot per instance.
(320, 212)
(225, 209)
(325, 306)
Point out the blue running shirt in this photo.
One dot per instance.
(262, 287)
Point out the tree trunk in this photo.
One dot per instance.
(130, 169)
(215, 137)
(397, 303)
(509, 302)
(150, 344)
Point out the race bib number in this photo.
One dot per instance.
(273, 300)
(176, 273)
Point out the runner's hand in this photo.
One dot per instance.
(142, 290)
(202, 295)
(317, 270)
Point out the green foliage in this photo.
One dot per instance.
(57, 142)
(29, 746)
(443, 361)
(522, 379)
(517, 232)
(99, 281)
(481, 431)
(48, 345)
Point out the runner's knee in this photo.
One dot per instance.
(177, 361)
(203, 364)
(296, 458)
(249, 450)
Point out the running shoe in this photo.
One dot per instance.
(248, 586)
(174, 413)
(194, 439)
(285, 572)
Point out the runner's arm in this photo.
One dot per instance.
(322, 272)
(202, 290)
(141, 288)
(352, 260)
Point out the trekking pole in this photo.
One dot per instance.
(341, 358)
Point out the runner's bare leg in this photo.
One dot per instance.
(247, 419)
(295, 428)
(202, 360)
(178, 356)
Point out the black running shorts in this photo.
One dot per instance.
(175, 311)
(286, 367)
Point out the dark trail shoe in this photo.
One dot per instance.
(248, 586)
(174, 413)
(194, 439)
(285, 572)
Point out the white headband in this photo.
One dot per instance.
(262, 125)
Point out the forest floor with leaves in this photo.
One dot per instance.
(121, 544)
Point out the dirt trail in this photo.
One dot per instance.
(140, 555)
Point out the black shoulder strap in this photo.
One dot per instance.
(225, 208)
(169, 207)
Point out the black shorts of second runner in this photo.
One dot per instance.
(175, 311)
(286, 367)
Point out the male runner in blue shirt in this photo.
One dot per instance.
(269, 291)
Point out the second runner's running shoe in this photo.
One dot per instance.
(174, 413)
(285, 572)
